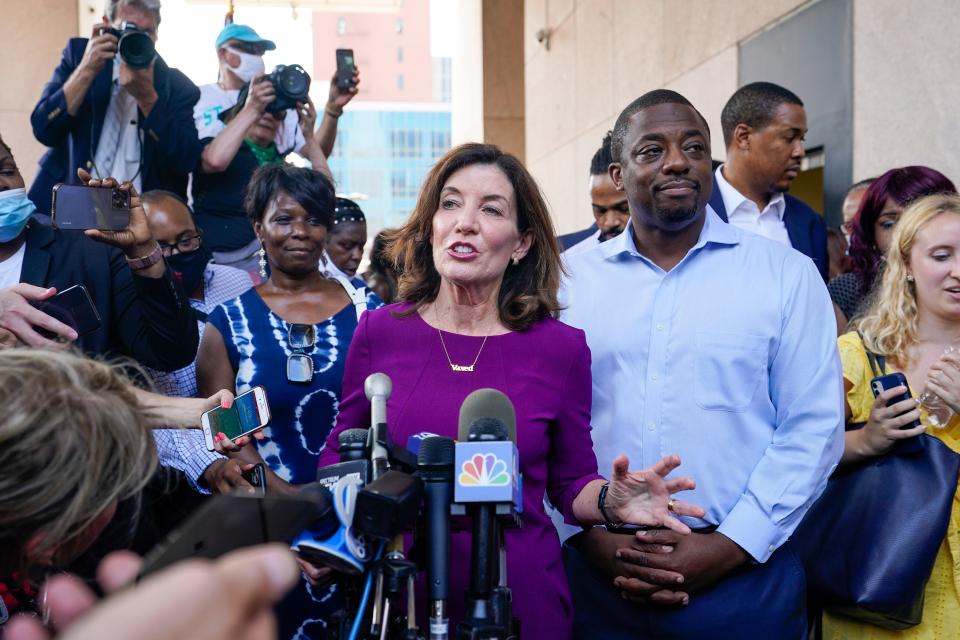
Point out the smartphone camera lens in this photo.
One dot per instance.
(120, 199)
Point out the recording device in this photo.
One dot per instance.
(378, 388)
(291, 84)
(229, 522)
(488, 488)
(345, 69)
(435, 465)
(136, 47)
(77, 206)
(881, 383)
(353, 460)
(257, 478)
(248, 413)
(73, 307)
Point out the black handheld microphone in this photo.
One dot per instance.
(487, 485)
(354, 459)
(435, 466)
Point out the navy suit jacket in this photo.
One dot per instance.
(171, 148)
(147, 319)
(567, 240)
(806, 228)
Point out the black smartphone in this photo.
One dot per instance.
(74, 308)
(881, 383)
(76, 206)
(228, 522)
(345, 69)
(257, 477)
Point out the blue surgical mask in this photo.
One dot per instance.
(15, 212)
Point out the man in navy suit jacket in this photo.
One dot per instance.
(763, 128)
(70, 116)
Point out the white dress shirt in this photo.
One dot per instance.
(11, 268)
(120, 142)
(744, 213)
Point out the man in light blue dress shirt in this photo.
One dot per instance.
(718, 345)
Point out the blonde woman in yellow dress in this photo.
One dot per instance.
(913, 319)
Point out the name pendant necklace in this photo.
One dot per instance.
(463, 368)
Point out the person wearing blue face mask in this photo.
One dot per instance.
(143, 311)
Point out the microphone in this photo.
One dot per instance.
(353, 460)
(435, 465)
(378, 387)
(486, 467)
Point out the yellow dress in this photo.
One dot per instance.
(941, 604)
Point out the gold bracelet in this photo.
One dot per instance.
(332, 114)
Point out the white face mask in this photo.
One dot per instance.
(250, 65)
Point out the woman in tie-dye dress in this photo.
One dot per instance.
(290, 335)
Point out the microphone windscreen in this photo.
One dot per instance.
(436, 451)
(377, 384)
(487, 403)
(488, 430)
(352, 436)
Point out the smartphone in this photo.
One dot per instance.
(74, 308)
(248, 413)
(345, 69)
(257, 477)
(76, 206)
(881, 383)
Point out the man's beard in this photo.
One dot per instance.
(677, 218)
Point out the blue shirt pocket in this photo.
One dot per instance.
(728, 369)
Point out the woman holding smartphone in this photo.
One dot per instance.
(914, 317)
(290, 334)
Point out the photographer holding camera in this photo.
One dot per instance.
(117, 109)
(246, 120)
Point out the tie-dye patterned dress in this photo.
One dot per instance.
(302, 414)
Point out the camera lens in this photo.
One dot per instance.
(136, 48)
(293, 81)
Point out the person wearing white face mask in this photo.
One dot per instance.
(250, 137)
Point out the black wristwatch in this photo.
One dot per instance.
(602, 505)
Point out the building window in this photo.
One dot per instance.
(405, 144)
(403, 184)
(442, 84)
(341, 25)
(399, 54)
(439, 143)
(400, 82)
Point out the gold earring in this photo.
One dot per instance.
(516, 261)
(263, 261)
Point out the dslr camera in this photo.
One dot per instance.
(135, 45)
(291, 84)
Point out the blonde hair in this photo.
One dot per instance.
(73, 440)
(889, 325)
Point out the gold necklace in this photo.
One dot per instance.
(467, 368)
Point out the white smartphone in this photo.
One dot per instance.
(248, 413)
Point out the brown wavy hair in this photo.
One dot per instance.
(528, 292)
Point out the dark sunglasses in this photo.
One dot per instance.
(300, 337)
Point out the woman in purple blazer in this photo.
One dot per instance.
(481, 268)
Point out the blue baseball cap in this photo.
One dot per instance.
(243, 33)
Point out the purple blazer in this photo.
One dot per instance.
(545, 371)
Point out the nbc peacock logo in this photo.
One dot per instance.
(484, 470)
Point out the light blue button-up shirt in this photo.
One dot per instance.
(729, 360)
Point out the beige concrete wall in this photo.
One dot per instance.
(905, 89)
(33, 35)
(605, 53)
(503, 108)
